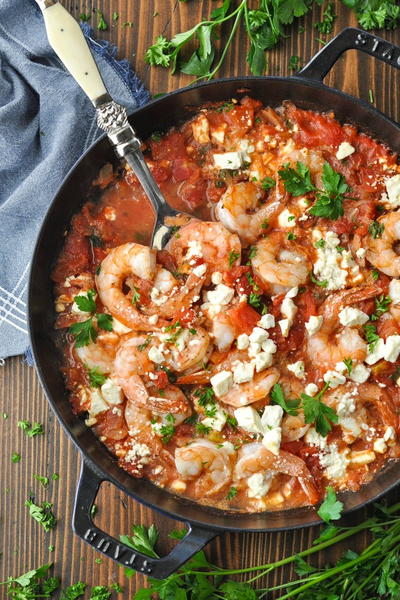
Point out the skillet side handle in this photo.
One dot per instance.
(159, 568)
(349, 39)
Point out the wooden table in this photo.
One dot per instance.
(23, 543)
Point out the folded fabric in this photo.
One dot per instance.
(46, 123)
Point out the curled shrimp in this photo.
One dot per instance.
(240, 210)
(380, 250)
(120, 263)
(293, 427)
(190, 352)
(254, 457)
(279, 268)
(213, 242)
(332, 343)
(101, 353)
(381, 402)
(208, 463)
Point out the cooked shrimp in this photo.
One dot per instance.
(254, 457)
(101, 353)
(120, 263)
(207, 462)
(382, 403)
(380, 250)
(189, 349)
(294, 427)
(332, 343)
(243, 394)
(207, 240)
(240, 211)
(280, 269)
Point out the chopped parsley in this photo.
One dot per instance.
(371, 336)
(226, 106)
(135, 295)
(251, 281)
(232, 493)
(252, 252)
(297, 181)
(84, 332)
(205, 396)
(15, 457)
(31, 430)
(376, 229)
(375, 274)
(202, 429)
(231, 421)
(323, 283)
(320, 243)
(192, 331)
(42, 514)
(43, 480)
(294, 63)
(254, 300)
(96, 377)
(319, 413)
(349, 364)
(329, 16)
(101, 25)
(232, 257)
(267, 183)
(329, 203)
(167, 430)
(278, 397)
(291, 236)
(381, 306)
(143, 346)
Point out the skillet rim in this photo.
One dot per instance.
(96, 468)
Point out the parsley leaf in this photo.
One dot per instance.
(143, 539)
(371, 336)
(267, 183)
(254, 300)
(84, 332)
(135, 295)
(294, 63)
(318, 413)
(376, 229)
(349, 364)
(296, 181)
(278, 397)
(167, 430)
(205, 396)
(105, 321)
(330, 509)
(86, 303)
(329, 16)
(42, 514)
(43, 480)
(202, 429)
(381, 306)
(232, 493)
(321, 283)
(74, 591)
(96, 377)
(100, 592)
(329, 203)
(232, 257)
(15, 457)
(31, 430)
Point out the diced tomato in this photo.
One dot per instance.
(161, 379)
(186, 316)
(315, 129)
(342, 225)
(143, 288)
(166, 259)
(214, 192)
(235, 273)
(193, 193)
(243, 317)
(307, 304)
(183, 169)
(161, 173)
(170, 147)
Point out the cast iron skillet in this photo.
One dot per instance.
(307, 91)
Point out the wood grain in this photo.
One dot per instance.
(23, 543)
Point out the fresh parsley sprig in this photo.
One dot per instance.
(43, 514)
(278, 397)
(329, 203)
(315, 411)
(85, 332)
(297, 181)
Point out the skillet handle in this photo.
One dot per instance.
(348, 39)
(159, 568)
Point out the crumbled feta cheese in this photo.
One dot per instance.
(288, 308)
(138, 453)
(243, 372)
(221, 295)
(389, 434)
(201, 129)
(267, 321)
(119, 327)
(200, 270)
(286, 219)
(194, 249)
(181, 340)
(292, 293)
(334, 462)
(361, 252)
(262, 360)
(334, 378)
(285, 325)
(156, 355)
(394, 291)
(97, 403)
(242, 341)
(359, 373)
(313, 324)
(311, 389)
(111, 392)
(393, 191)
(345, 149)
(259, 484)
(218, 135)
(272, 440)
(313, 438)
(269, 346)
(346, 405)
(350, 426)
(380, 446)
(392, 348)
(157, 297)
(152, 320)
(272, 416)
(258, 335)
(221, 383)
(362, 457)
(297, 369)
(352, 316)
(254, 349)
(217, 421)
(249, 419)
(228, 160)
(216, 278)
(377, 352)
(327, 268)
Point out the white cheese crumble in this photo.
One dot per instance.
(287, 219)
(345, 149)
(359, 373)
(216, 278)
(272, 440)
(262, 360)
(111, 392)
(155, 355)
(311, 389)
(377, 352)
(349, 316)
(272, 416)
(288, 308)
(221, 295)
(361, 252)
(313, 324)
(249, 419)
(334, 462)
(221, 383)
(97, 403)
(297, 369)
(194, 250)
(392, 197)
(200, 270)
(258, 335)
(313, 438)
(346, 405)
(259, 484)
(243, 372)
(139, 453)
(394, 291)
(285, 325)
(217, 421)
(228, 160)
(327, 268)
(334, 378)
(392, 348)
(267, 321)
(242, 341)
(380, 446)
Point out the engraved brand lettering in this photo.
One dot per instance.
(361, 39)
(90, 535)
(388, 53)
(131, 560)
(146, 568)
(104, 545)
(375, 45)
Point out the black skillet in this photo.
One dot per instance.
(306, 90)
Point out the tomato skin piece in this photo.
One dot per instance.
(183, 169)
(342, 225)
(243, 317)
(308, 305)
(161, 380)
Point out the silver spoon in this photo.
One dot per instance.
(68, 42)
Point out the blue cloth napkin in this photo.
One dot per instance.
(46, 123)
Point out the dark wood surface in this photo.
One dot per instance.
(23, 543)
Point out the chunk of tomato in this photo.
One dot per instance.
(243, 317)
